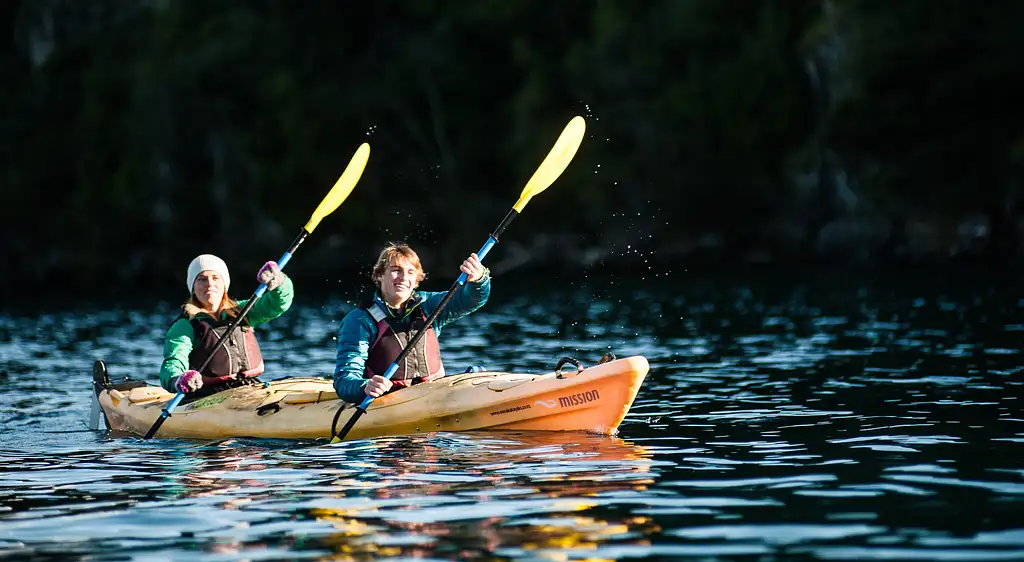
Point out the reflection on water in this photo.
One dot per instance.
(807, 421)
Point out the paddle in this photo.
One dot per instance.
(334, 198)
(552, 167)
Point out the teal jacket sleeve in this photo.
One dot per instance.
(271, 304)
(356, 333)
(467, 299)
(178, 344)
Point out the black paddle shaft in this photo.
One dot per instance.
(166, 412)
(430, 320)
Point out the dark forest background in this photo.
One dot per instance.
(721, 134)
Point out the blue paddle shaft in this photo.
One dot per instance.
(481, 255)
(174, 403)
(164, 414)
(387, 374)
(280, 264)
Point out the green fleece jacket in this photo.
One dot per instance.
(178, 342)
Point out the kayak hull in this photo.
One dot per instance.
(595, 399)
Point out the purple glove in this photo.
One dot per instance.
(270, 275)
(189, 381)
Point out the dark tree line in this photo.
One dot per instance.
(138, 134)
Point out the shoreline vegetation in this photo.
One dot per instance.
(784, 134)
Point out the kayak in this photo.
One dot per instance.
(593, 399)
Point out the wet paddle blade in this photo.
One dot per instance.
(555, 162)
(345, 184)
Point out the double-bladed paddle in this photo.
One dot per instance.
(548, 171)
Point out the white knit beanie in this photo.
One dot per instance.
(207, 262)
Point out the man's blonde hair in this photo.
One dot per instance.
(390, 255)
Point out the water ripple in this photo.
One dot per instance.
(829, 421)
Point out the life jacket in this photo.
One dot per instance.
(421, 364)
(240, 355)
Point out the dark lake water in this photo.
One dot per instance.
(818, 418)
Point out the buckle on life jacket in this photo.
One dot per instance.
(376, 312)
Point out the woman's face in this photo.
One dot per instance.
(398, 282)
(209, 290)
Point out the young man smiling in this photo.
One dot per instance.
(371, 337)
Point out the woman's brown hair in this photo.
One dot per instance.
(228, 306)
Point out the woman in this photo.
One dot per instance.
(371, 337)
(205, 317)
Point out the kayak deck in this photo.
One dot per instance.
(594, 399)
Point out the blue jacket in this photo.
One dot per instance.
(358, 331)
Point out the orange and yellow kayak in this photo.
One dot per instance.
(593, 399)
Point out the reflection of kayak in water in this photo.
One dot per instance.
(421, 482)
(512, 448)
(593, 399)
(518, 447)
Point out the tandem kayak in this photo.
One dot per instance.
(593, 399)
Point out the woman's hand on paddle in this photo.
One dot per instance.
(189, 381)
(377, 386)
(473, 269)
(270, 275)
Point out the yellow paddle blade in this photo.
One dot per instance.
(555, 162)
(348, 180)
